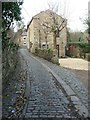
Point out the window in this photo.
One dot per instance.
(43, 46)
(24, 42)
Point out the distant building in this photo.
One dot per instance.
(23, 38)
(40, 36)
(89, 9)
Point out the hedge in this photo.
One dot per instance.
(44, 53)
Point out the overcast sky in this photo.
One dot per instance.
(74, 10)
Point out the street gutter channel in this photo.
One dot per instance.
(27, 90)
(73, 110)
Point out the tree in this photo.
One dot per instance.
(88, 23)
(11, 11)
(46, 32)
(20, 30)
(44, 29)
(56, 26)
(88, 29)
(76, 36)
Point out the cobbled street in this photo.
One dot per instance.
(53, 92)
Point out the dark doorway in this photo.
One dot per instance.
(58, 49)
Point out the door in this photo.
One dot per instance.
(58, 49)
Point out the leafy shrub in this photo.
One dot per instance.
(79, 50)
(9, 61)
(44, 53)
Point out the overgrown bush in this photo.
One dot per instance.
(85, 47)
(9, 62)
(78, 49)
(44, 53)
(11, 12)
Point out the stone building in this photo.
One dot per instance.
(23, 38)
(41, 32)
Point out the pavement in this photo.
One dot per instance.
(74, 63)
(78, 66)
(53, 91)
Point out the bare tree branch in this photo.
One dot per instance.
(61, 24)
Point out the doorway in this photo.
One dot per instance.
(57, 46)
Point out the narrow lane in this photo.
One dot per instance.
(46, 99)
(71, 79)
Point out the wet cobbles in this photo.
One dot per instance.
(45, 99)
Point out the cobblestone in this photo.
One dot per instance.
(45, 99)
(71, 79)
